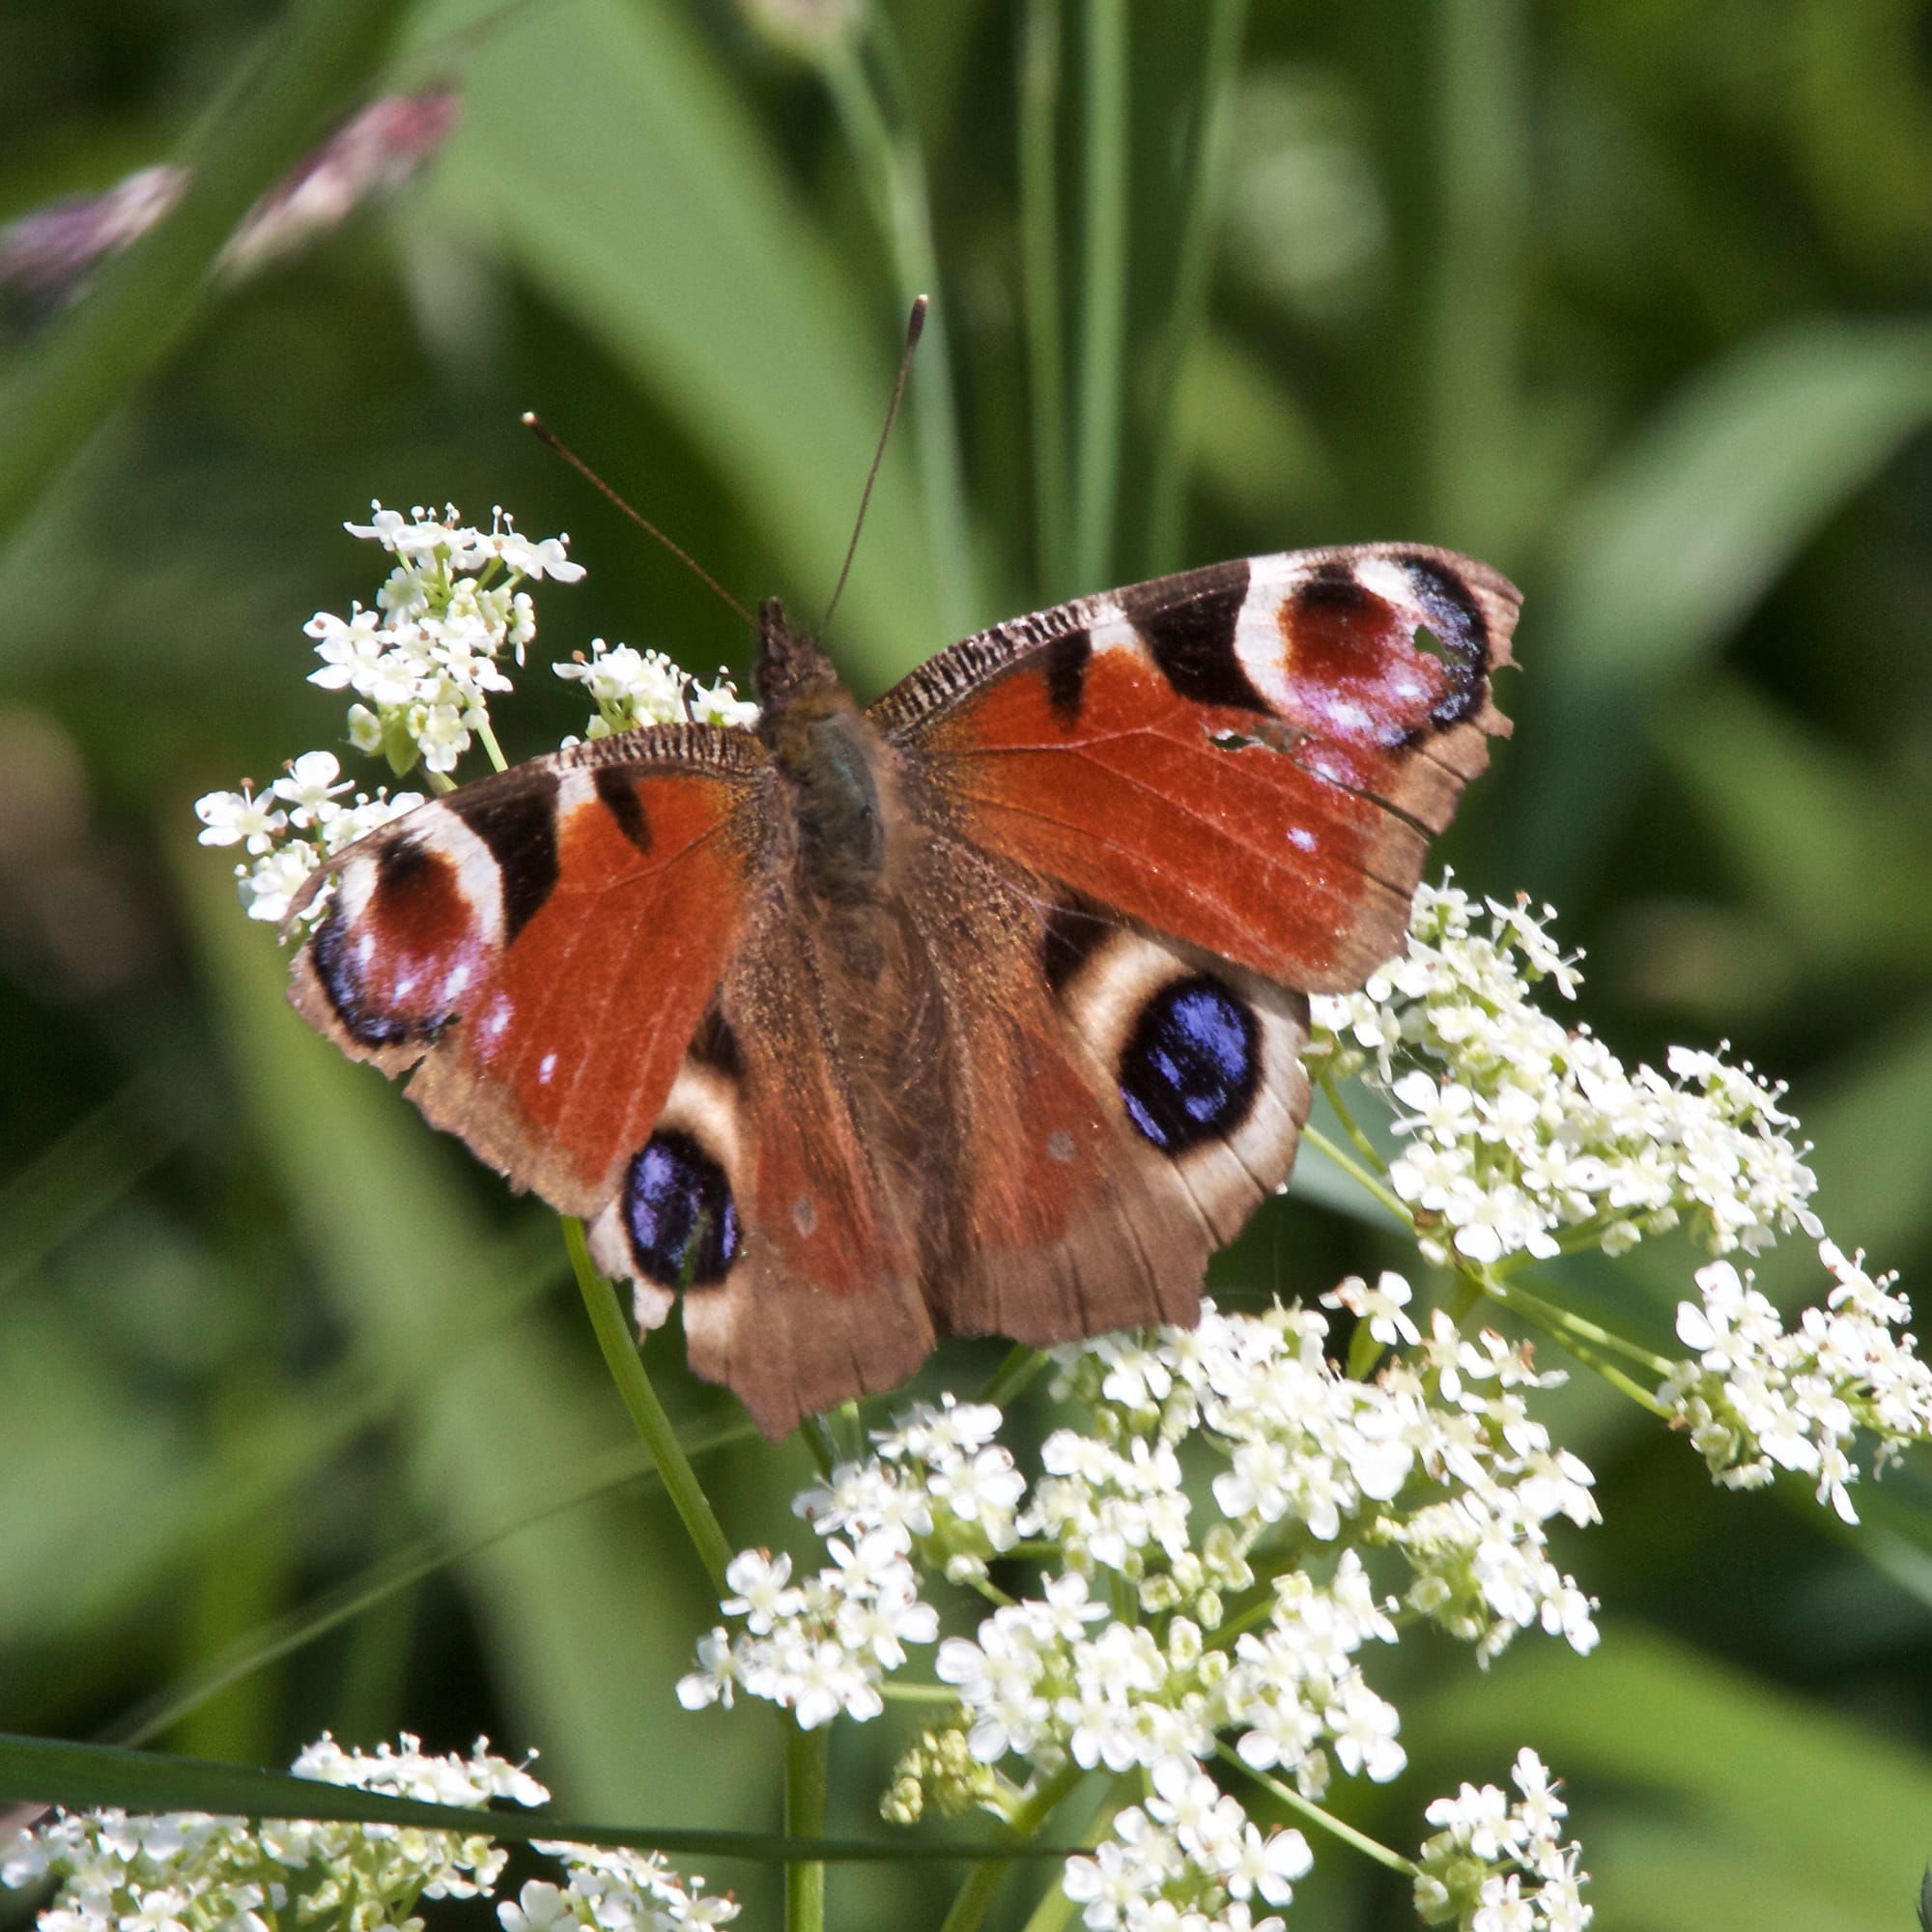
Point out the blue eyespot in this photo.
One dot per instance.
(1189, 1069)
(678, 1208)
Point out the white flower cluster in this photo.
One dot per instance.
(823, 1646)
(630, 688)
(288, 831)
(1190, 1858)
(1759, 1397)
(1501, 1866)
(609, 1888)
(1154, 1635)
(427, 657)
(1527, 1137)
(192, 1872)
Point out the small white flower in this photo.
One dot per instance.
(763, 1595)
(1382, 1307)
(313, 784)
(540, 1907)
(239, 818)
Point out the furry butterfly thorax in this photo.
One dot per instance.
(979, 1010)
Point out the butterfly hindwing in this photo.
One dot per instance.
(1143, 1099)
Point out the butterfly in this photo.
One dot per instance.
(979, 1011)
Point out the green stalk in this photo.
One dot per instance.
(1103, 307)
(1201, 231)
(1055, 1909)
(646, 1411)
(73, 377)
(970, 1903)
(1045, 326)
(870, 95)
(1473, 412)
(1332, 1094)
(1019, 1366)
(1314, 1137)
(805, 1784)
(1573, 1334)
(1314, 1813)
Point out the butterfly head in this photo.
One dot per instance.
(790, 667)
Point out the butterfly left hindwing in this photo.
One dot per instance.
(980, 1011)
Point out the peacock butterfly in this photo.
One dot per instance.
(978, 1011)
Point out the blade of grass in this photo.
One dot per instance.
(1825, 853)
(91, 1166)
(1480, 170)
(1040, 83)
(78, 372)
(378, 1583)
(1103, 277)
(1200, 231)
(46, 1771)
(868, 88)
(618, 164)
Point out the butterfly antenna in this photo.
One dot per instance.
(914, 324)
(547, 436)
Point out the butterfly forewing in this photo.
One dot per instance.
(1247, 758)
(540, 947)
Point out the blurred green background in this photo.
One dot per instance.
(1630, 301)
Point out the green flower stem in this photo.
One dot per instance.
(648, 1415)
(1327, 1821)
(1580, 1339)
(1019, 1367)
(1364, 1353)
(491, 747)
(1055, 1909)
(1513, 1294)
(969, 1905)
(806, 1754)
(1353, 1169)
(1103, 307)
(1040, 254)
(1331, 1092)
(1469, 1289)
(870, 95)
(816, 1434)
(896, 1690)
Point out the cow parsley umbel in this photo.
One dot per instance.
(192, 1872)
(421, 666)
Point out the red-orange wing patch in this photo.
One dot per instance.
(1248, 757)
(542, 946)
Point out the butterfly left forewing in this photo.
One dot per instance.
(539, 947)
